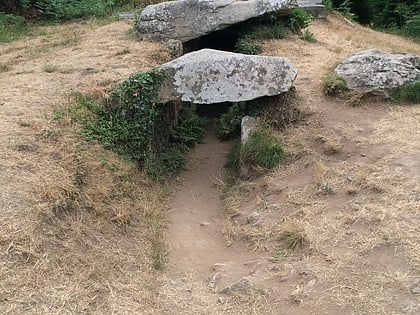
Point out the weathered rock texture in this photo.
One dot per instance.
(185, 20)
(378, 72)
(211, 76)
(314, 7)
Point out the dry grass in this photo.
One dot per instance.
(82, 228)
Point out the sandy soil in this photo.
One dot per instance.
(350, 186)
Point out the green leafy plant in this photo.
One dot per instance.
(262, 149)
(246, 45)
(133, 123)
(408, 92)
(346, 9)
(412, 27)
(229, 124)
(328, 4)
(299, 19)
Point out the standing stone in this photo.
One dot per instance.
(185, 20)
(210, 76)
(379, 72)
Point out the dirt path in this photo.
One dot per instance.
(196, 233)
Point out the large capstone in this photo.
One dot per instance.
(379, 72)
(211, 76)
(185, 20)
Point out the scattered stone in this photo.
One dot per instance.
(221, 300)
(218, 266)
(204, 224)
(241, 285)
(212, 282)
(211, 76)
(185, 20)
(415, 288)
(253, 218)
(248, 125)
(126, 16)
(379, 72)
(350, 23)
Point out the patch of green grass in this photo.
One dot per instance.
(233, 157)
(246, 45)
(262, 149)
(309, 37)
(408, 93)
(334, 85)
(13, 27)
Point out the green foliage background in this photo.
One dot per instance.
(392, 15)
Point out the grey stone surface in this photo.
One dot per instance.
(211, 76)
(188, 19)
(248, 125)
(314, 7)
(379, 72)
(241, 285)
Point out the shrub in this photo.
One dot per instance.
(70, 9)
(133, 123)
(246, 45)
(412, 27)
(12, 27)
(229, 124)
(299, 19)
(334, 85)
(408, 92)
(328, 4)
(262, 149)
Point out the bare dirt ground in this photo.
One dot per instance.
(80, 226)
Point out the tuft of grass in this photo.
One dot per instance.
(262, 149)
(125, 51)
(233, 157)
(3, 68)
(408, 93)
(334, 85)
(50, 68)
(293, 238)
(309, 37)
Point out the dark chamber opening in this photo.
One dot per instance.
(221, 40)
(212, 111)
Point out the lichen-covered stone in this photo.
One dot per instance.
(211, 76)
(379, 72)
(185, 20)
